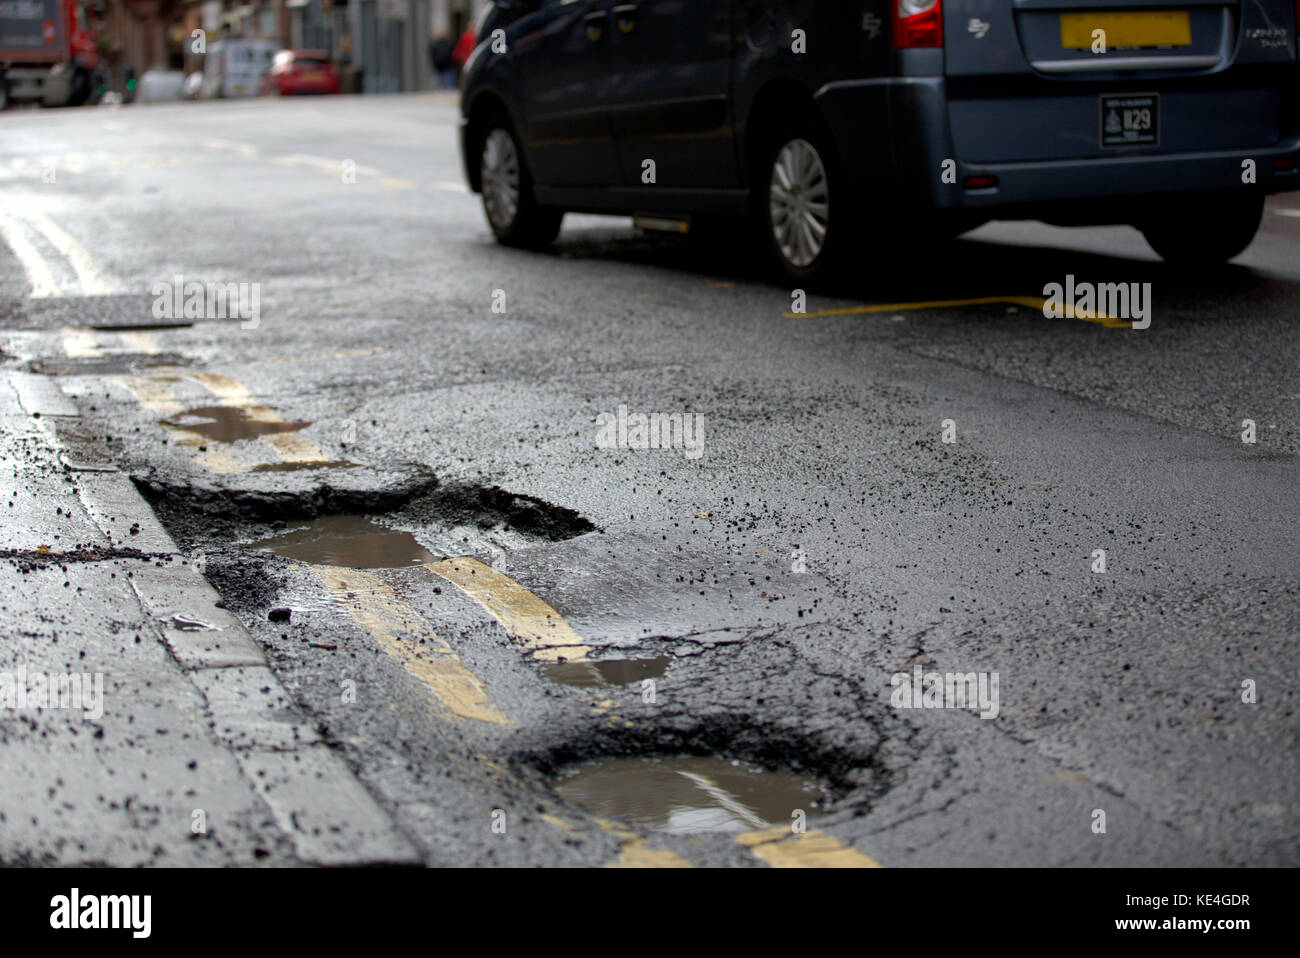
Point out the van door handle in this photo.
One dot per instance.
(625, 17)
(594, 24)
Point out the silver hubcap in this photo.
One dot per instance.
(799, 201)
(500, 178)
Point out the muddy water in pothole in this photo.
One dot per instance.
(685, 796)
(609, 672)
(228, 424)
(353, 542)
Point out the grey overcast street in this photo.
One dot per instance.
(375, 572)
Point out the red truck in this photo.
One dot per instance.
(47, 52)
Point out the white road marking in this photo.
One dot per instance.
(1295, 213)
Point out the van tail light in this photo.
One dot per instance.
(919, 23)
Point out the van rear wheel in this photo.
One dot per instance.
(801, 201)
(512, 213)
(1204, 231)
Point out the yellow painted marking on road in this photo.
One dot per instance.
(140, 342)
(381, 612)
(635, 853)
(79, 342)
(1032, 302)
(558, 822)
(209, 455)
(153, 394)
(315, 357)
(89, 277)
(33, 263)
(396, 183)
(525, 616)
(246, 150)
(290, 446)
(294, 448)
(782, 848)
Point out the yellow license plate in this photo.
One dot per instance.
(1163, 28)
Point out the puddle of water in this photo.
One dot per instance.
(353, 542)
(228, 424)
(609, 672)
(686, 796)
(300, 466)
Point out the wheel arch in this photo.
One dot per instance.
(777, 99)
(486, 107)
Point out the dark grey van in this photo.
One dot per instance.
(829, 122)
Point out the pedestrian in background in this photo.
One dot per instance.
(464, 46)
(441, 49)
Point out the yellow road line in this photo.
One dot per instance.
(91, 280)
(635, 853)
(33, 263)
(152, 394)
(525, 616)
(80, 342)
(379, 610)
(1033, 302)
(157, 396)
(314, 357)
(140, 342)
(290, 446)
(782, 848)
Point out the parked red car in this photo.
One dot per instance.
(301, 71)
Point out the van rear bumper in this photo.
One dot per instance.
(911, 114)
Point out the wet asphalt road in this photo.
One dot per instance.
(826, 538)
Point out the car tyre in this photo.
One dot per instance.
(507, 187)
(1200, 232)
(802, 202)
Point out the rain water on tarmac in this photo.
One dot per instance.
(686, 796)
(353, 542)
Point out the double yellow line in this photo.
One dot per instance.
(18, 221)
(1036, 303)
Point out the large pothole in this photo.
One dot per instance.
(450, 518)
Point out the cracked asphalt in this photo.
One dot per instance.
(827, 540)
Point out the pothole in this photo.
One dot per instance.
(229, 424)
(608, 672)
(691, 795)
(354, 542)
